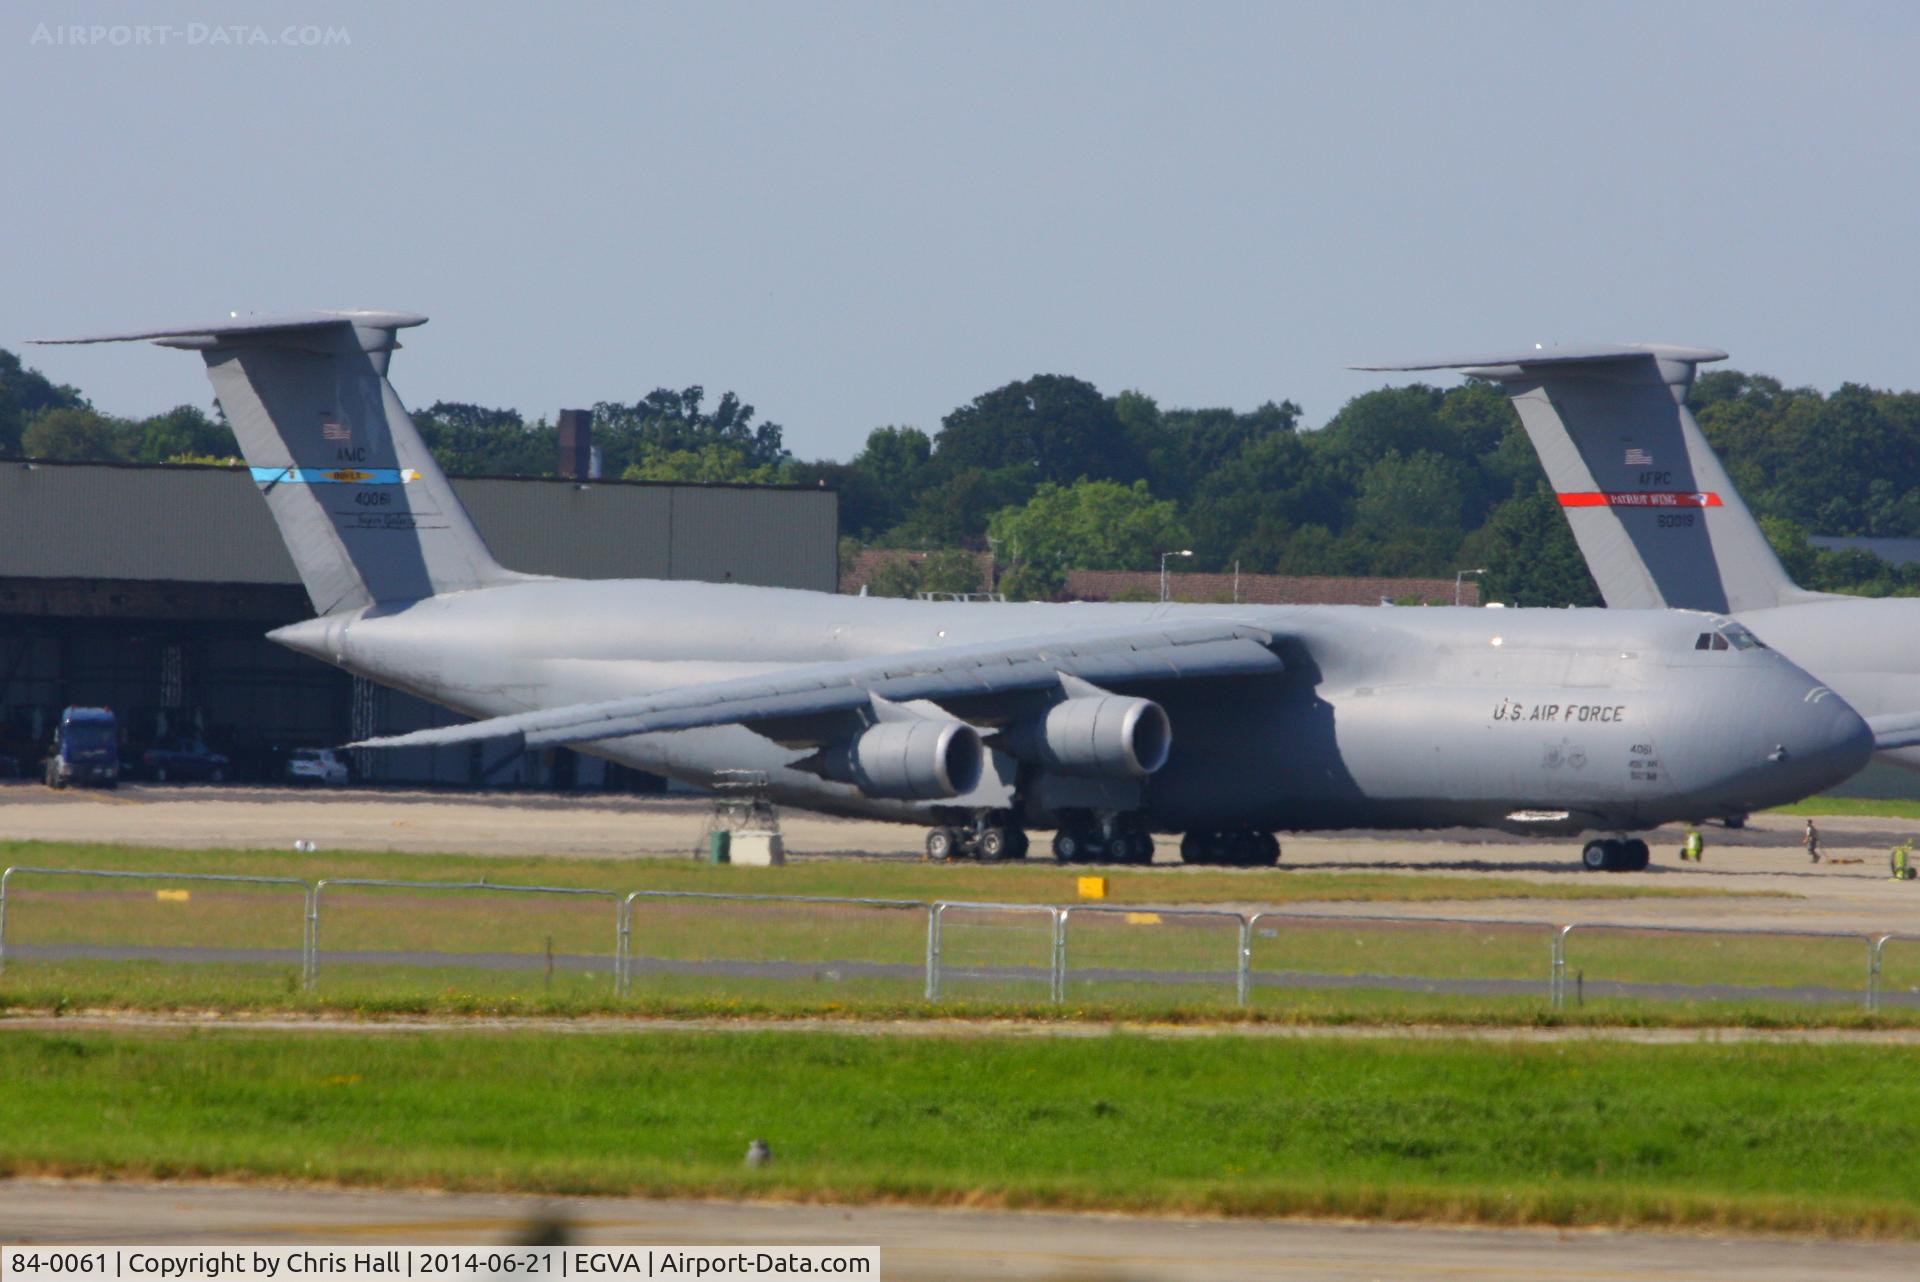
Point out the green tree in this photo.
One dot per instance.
(954, 512)
(895, 576)
(78, 433)
(1530, 555)
(476, 440)
(1419, 495)
(713, 463)
(182, 432)
(1092, 525)
(669, 422)
(25, 393)
(1191, 448)
(1050, 428)
(951, 570)
(1402, 419)
(882, 481)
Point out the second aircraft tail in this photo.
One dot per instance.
(1651, 507)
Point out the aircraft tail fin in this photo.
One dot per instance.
(366, 513)
(1651, 507)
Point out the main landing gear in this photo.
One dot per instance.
(1241, 849)
(1085, 843)
(1615, 854)
(989, 839)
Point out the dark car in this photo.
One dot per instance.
(182, 759)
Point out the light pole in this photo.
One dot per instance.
(1457, 578)
(1163, 568)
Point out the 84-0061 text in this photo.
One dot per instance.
(392, 1264)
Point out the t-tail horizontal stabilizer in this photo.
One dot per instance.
(365, 511)
(1653, 510)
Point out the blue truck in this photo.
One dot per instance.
(86, 749)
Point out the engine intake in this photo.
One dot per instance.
(1107, 735)
(919, 760)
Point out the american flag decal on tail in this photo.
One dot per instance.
(334, 430)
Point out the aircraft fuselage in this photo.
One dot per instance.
(1383, 717)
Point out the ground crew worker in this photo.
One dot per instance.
(1901, 853)
(1811, 840)
(1694, 846)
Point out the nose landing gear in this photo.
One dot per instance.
(989, 838)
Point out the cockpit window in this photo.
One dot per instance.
(1734, 638)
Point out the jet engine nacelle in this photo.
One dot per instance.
(1107, 735)
(918, 760)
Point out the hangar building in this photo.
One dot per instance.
(149, 589)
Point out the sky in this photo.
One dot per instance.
(866, 214)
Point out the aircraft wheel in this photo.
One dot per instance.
(1637, 855)
(1597, 856)
(941, 844)
(1017, 843)
(1269, 850)
(218, 776)
(992, 844)
(1133, 847)
(159, 774)
(1069, 847)
(1193, 848)
(1243, 849)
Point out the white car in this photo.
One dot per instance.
(316, 765)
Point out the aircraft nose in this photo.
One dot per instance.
(1819, 740)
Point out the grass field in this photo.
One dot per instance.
(416, 950)
(1751, 1136)
(1867, 807)
(380, 992)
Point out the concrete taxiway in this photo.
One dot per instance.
(918, 1243)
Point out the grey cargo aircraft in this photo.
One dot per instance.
(980, 721)
(1660, 523)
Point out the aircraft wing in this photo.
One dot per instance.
(982, 681)
(1895, 730)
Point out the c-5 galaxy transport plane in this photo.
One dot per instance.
(1660, 523)
(1107, 723)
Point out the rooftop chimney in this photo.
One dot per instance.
(576, 444)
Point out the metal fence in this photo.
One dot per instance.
(1468, 956)
(312, 968)
(941, 949)
(790, 935)
(306, 892)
